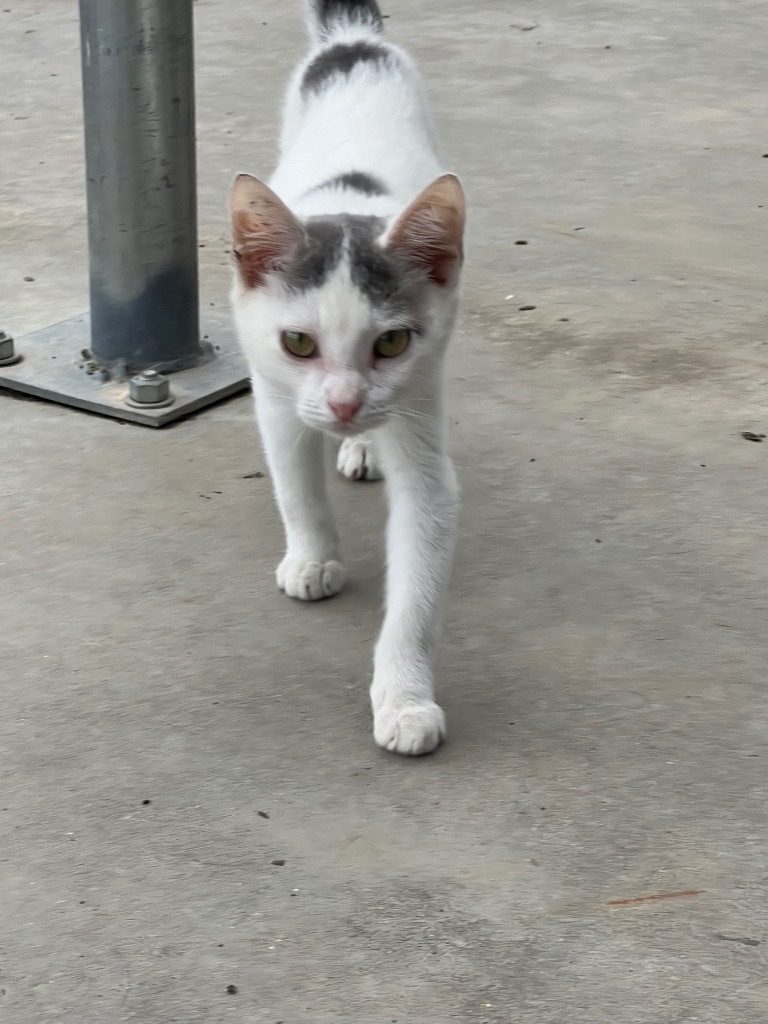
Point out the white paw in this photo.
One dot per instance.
(410, 729)
(309, 581)
(356, 460)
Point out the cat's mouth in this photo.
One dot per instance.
(348, 429)
(339, 430)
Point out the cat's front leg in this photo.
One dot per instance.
(297, 455)
(423, 496)
(357, 460)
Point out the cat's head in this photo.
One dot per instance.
(343, 314)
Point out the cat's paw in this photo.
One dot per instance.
(309, 581)
(410, 728)
(357, 461)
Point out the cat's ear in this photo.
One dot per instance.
(430, 231)
(264, 231)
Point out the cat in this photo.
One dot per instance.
(346, 289)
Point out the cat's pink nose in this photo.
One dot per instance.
(345, 411)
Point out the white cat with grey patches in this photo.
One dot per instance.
(345, 295)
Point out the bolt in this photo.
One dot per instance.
(8, 353)
(150, 389)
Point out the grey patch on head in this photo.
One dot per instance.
(357, 181)
(341, 59)
(318, 254)
(386, 278)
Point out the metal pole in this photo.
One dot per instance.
(138, 88)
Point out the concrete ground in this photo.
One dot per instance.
(190, 797)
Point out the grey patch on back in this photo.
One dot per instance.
(341, 59)
(357, 181)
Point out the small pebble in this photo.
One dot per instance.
(279, 863)
(524, 309)
(231, 990)
(29, 279)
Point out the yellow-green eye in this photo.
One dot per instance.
(392, 344)
(298, 344)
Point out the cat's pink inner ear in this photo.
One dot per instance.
(430, 231)
(264, 231)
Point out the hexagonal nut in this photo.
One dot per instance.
(150, 388)
(7, 350)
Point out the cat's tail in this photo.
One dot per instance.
(327, 17)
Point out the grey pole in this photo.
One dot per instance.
(138, 88)
(139, 102)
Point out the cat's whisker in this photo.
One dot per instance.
(270, 387)
(416, 417)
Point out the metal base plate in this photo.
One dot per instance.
(51, 368)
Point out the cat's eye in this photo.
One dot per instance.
(392, 344)
(298, 344)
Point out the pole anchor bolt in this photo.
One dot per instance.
(150, 390)
(8, 353)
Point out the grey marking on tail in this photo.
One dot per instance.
(341, 59)
(357, 182)
(331, 12)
